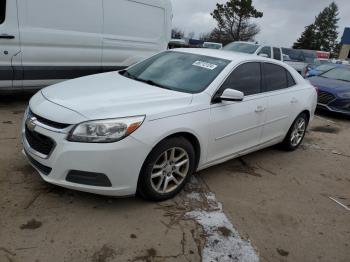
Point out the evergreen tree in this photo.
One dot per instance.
(326, 28)
(307, 39)
(322, 34)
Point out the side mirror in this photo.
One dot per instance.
(264, 55)
(232, 95)
(286, 58)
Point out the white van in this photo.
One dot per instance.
(43, 42)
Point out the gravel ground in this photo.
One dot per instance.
(271, 204)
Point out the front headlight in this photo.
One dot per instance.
(105, 131)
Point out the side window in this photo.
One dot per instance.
(245, 78)
(275, 77)
(2, 11)
(290, 79)
(265, 50)
(277, 53)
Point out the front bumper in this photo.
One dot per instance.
(121, 162)
(341, 106)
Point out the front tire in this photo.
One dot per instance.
(296, 133)
(167, 169)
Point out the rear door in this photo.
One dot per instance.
(60, 40)
(9, 43)
(282, 102)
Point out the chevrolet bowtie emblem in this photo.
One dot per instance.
(30, 123)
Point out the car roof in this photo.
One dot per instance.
(223, 54)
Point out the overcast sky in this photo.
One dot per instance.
(281, 25)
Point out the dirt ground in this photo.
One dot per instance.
(278, 200)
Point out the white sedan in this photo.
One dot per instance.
(147, 129)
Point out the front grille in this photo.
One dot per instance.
(39, 142)
(325, 97)
(48, 122)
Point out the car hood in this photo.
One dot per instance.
(110, 95)
(330, 85)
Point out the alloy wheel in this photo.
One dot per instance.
(298, 132)
(170, 170)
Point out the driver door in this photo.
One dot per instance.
(236, 127)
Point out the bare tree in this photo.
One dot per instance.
(177, 33)
(233, 21)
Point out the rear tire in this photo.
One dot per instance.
(167, 169)
(296, 133)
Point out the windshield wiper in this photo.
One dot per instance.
(152, 83)
(127, 74)
(342, 80)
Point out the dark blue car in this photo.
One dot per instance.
(334, 89)
(315, 70)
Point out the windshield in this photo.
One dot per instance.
(338, 74)
(241, 47)
(178, 71)
(325, 67)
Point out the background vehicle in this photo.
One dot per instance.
(315, 70)
(298, 59)
(252, 48)
(212, 45)
(323, 55)
(334, 89)
(177, 43)
(162, 119)
(43, 42)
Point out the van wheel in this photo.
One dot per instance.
(167, 169)
(296, 133)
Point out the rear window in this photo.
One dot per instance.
(275, 77)
(293, 55)
(291, 81)
(297, 55)
(241, 47)
(2, 10)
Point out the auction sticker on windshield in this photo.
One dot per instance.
(205, 65)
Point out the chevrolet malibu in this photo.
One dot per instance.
(148, 128)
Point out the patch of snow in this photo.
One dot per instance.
(194, 196)
(224, 243)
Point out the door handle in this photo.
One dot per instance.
(260, 109)
(6, 36)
